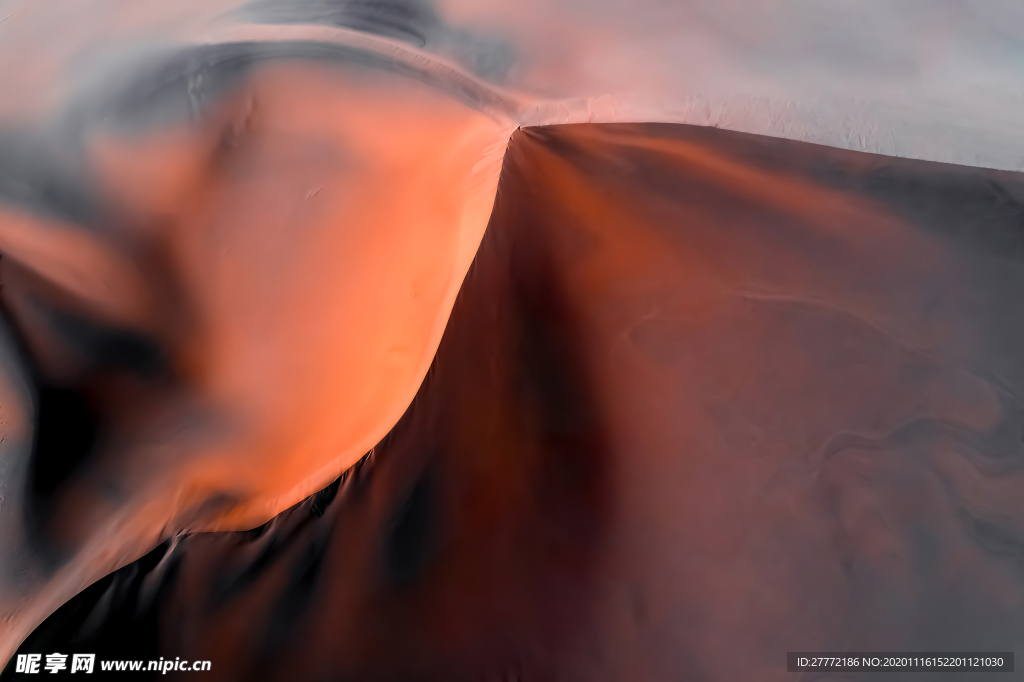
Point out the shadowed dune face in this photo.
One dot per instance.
(701, 389)
(703, 398)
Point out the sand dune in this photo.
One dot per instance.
(704, 398)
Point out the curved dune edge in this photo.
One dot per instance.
(437, 217)
(144, 524)
(689, 372)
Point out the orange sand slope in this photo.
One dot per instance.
(238, 308)
(704, 397)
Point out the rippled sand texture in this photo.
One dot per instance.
(704, 397)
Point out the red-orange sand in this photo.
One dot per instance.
(704, 398)
(294, 256)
